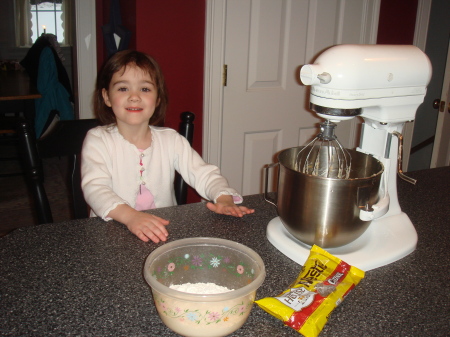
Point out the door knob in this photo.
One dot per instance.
(440, 105)
(436, 103)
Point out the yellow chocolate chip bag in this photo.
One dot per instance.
(321, 286)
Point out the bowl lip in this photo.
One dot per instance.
(199, 241)
(353, 151)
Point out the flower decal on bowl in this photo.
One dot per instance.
(192, 316)
(213, 316)
(197, 261)
(171, 267)
(215, 262)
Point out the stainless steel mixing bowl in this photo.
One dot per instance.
(325, 211)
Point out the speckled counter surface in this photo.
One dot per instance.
(85, 277)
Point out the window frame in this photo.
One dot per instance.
(24, 31)
(35, 11)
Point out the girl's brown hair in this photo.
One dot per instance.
(119, 61)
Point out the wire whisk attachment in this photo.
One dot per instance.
(324, 156)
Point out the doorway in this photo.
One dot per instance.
(428, 126)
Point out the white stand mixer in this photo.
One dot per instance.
(384, 84)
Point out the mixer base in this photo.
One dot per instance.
(385, 241)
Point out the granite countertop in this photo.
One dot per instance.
(84, 277)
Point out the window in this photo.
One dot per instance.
(47, 15)
(35, 17)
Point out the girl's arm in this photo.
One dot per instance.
(208, 182)
(96, 179)
(205, 178)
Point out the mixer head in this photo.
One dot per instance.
(385, 83)
(324, 156)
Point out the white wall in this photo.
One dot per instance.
(86, 56)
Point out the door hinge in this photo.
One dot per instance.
(224, 75)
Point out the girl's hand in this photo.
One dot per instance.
(145, 226)
(225, 205)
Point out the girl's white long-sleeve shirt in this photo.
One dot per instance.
(111, 171)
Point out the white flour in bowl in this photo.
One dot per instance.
(200, 288)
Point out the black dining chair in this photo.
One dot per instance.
(9, 141)
(65, 140)
(12, 112)
(187, 130)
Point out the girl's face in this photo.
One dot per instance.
(132, 96)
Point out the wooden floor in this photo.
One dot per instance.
(16, 204)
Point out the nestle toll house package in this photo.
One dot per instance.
(321, 286)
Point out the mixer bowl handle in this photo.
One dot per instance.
(266, 180)
(369, 213)
(376, 211)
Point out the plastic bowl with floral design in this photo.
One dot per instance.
(204, 260)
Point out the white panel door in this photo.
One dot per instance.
(263, 108)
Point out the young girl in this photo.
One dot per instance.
(129, 163)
